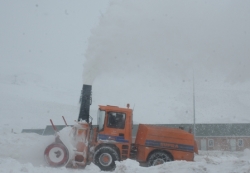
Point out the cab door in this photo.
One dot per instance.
(114, 127)
(117, 129)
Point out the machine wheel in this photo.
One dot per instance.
(158, 157)
(105, 158)
(56, 154)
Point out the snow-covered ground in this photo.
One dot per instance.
(143, 52)
(24, 153)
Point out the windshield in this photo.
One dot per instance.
(116, 120)
(100, 120)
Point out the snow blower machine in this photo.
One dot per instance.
(111, 140)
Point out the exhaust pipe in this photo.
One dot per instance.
(85, 101)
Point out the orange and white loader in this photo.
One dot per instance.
(111, 140)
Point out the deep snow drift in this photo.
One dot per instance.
(24, 153)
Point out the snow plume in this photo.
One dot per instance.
(167, 39)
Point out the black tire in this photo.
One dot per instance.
(56, 155)
(105, 158)
(158, 157)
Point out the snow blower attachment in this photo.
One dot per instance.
(73, 152)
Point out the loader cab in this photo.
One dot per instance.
(115, 126)
(115, 122)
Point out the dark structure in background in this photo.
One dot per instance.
(85, 101)
(50, 131)
(227, 137)
(37, 131)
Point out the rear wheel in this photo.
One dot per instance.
(158, 157)
(56, 154)
(105, 158)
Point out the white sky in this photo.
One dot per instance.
(139, 52)
(48, 37)
(173, 37)
(145, 52)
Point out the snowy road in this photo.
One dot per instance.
(24, 153)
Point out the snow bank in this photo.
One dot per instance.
(24, 153)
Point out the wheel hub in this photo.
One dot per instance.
(105, 159)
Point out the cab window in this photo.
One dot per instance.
(100, 119)
(116, 120)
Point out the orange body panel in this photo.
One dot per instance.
(143, 152)
(179, 143)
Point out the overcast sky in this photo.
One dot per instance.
(211, 38)
(142, 52)
(47, 38)
(146, 52)
(171, 39)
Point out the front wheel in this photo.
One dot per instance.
(105, 158)
(158, 157)
(56, 154)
